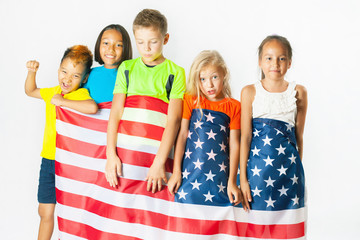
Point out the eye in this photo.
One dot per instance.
(105, 43)
(119, 45)
(268, 58)
(139, 42)
(63, 71)
(76, 76)
(202, 79)
(154, 42)
(215, 77)
(283, 59)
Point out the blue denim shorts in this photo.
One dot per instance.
(46, 189)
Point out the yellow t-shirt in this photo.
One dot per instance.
(49, 143)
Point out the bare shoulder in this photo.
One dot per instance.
(301, 91)
(248, 91)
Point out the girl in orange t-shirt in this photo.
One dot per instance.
(206, 155)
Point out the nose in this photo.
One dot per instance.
(210, 83)
(147, 47)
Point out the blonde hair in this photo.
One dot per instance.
(151, 18)
(204, 59)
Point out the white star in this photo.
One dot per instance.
(256, 133)
(198, 124)
(208, 196)
(195, 184)
(256, 192)
(221, 187)
(222, 128)
(269, 182)
(211, 134)
(210, 176)
(283, 191)
(187, 153)
(182, 194)
(211, 155)
(270, 202)
(267, 140)
(278, 132)
(288, 127)
(185, 174)
(222, 167)
(209, 118)
(294, 179)
(280, 150)
(256, 171)
(296, 200)
(198, 164)
(223, 146)
(189, 134)
(198, 144)
(268, 161)
(255, 151)
(282, 170)
(292, 159)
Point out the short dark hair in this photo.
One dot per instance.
(79, 54)
(127, 49)
(151, 18)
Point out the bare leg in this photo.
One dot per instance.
(46, 213)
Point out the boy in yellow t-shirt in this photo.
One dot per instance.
(74, 70)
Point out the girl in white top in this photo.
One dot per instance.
(272, 123)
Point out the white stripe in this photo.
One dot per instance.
(132, 172)
(102, 114)
(131, 229)
(180, 210)
(140, 144)
(144, 116)
(64, 235)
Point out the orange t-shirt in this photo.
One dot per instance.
(231, 107)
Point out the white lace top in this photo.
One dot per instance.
(280, 106)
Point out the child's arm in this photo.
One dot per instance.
(31, 88)
(85, 106)
(234, 193)
(247, 97)
(175, 179)
(157, 170)
(113, 162)
(301, 103)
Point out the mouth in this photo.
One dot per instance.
(211, 92)
(64, 85)
(109, 56)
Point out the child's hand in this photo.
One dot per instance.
(113, 170)
(32, 66)
(234, 194)
(174, 182)
(57, 100)
(245, 188)
(155, 176)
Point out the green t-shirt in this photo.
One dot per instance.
(150, 81)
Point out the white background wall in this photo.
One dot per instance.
(325, 36)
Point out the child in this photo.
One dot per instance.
(209, 136)
(112, 47)
(147, 100)
(74, 69)
(272, 123)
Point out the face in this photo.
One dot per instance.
(111, 48)
(70, 76)
(211, 82)
(274, 61)
(150, 42)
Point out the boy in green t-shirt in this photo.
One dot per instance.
(149, 75)
(74, 70)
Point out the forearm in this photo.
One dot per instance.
(85, 106)
(299, 142)
(234, 155)
(244, 155)
(180, 145)
(31, 88)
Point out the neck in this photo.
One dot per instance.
(274, 85)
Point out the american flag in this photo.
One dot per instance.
(88, 208)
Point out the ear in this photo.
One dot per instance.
(166, 38)
(85, 78)
(289, 64)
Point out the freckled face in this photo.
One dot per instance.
(111, 48)
(211, 82)
(274, 61)
(70, 75)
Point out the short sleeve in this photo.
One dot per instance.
(235, 115)
(188, 106)
(47, 93)
(79, 94)
(178, 88)
(120, 83)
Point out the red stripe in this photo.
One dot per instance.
(141, 129)
(88, 232)
(146, 102)
(184, 225)
(97, 151)
(98, 178)
(81, 120)
(105, 105)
